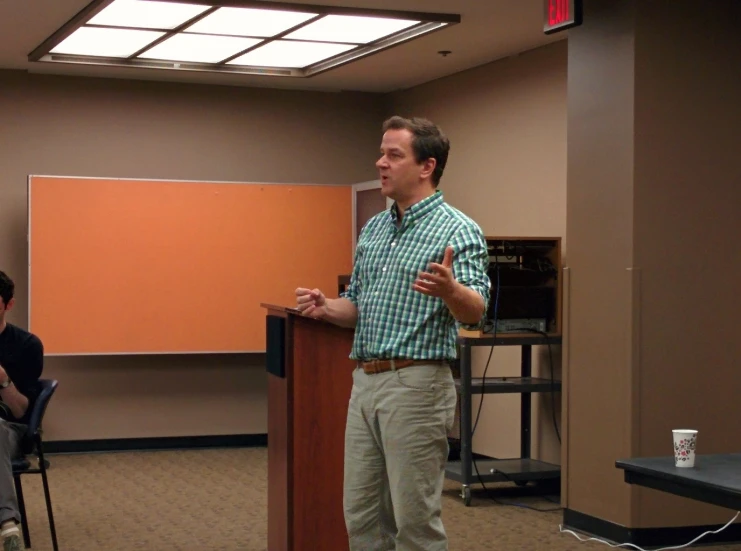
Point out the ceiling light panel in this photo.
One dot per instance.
(147, 14)
(351, 28)
(105, 42)
(198, 48)
(249, 22)
(285, 53)
(251, 37)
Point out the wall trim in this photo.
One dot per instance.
(648, 537)
(156, 443)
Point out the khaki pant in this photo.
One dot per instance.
(396, 447)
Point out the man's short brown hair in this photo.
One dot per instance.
(428, 141)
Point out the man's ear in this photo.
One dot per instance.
(10, 304)
(428, 167)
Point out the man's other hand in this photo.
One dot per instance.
(311, 302)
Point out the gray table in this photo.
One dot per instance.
(714, 479)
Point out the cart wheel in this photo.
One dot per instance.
(466, 495)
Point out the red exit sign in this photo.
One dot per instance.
(561, 14)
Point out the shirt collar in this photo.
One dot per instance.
(419, 209)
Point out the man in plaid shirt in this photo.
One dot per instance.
(420, 273)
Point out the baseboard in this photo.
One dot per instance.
(157, 443)
(648, 537)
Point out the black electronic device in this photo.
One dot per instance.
(524, 290)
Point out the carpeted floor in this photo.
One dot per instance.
(216, 500)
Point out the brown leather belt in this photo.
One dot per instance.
(380, 366)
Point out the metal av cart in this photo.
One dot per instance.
(519, 470)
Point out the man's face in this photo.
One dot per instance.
(400, 173)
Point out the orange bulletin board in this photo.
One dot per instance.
(139, 267)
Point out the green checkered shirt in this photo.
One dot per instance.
(394, 320)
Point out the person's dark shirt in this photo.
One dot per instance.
(22, 357)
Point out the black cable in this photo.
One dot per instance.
(553, 381)
(481, 401)
(525, 329)
(491, 351)
(514, 503)
(483, 379)
(493, 332)
(553, 389)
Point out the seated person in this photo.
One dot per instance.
(21, 363)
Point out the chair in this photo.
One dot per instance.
(32, 444)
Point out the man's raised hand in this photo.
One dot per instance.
(438, 281)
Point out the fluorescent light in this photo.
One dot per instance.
(95, 41)
(146, 14)
(249, 22)
(199, 48)
(249, 37)
(351, 28)
(283, 53)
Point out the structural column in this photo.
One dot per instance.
(654, 191)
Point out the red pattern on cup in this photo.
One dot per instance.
(683, 447)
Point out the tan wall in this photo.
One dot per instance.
(600, 225)
(116, 128)
(507, 170)
(687, 226)
(653, 195)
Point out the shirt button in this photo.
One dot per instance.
(384, 269)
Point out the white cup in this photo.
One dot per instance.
(684, 447)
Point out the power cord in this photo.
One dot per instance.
(614, 545)
(514, 503)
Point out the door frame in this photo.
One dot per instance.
(363, 186)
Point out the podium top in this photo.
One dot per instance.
(287, 311)
(279, 308)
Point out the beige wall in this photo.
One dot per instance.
(116, 128)
(507, 170)
(506, 121)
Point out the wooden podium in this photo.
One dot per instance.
(309, 385)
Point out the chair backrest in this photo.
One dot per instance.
(47, 386)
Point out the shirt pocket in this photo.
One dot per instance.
(408, 267)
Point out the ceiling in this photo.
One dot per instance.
(489, 30)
